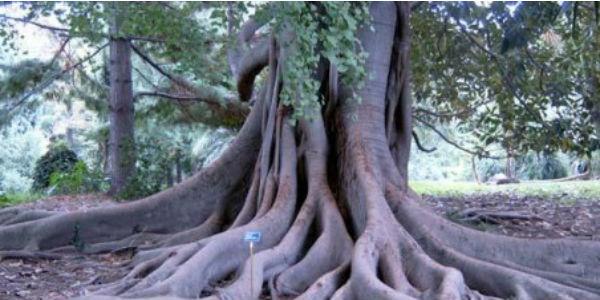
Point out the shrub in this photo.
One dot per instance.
(552, 167)
(490, 167)
(78, 180)
(533, 166)
(7, 199)
(59, 158)
(155, 159)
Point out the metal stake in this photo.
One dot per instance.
(252, 269)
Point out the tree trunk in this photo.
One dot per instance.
(178, 169)
(474, 169)
(330, 199)
(121, 143)
(169, 176)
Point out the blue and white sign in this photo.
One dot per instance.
(252, 236)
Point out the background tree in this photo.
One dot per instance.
(521, 87)
(171, 32)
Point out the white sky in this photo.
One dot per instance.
(39, 43)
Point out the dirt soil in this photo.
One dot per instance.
(76, 274)
(548, 218)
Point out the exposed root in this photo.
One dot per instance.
(526, 275)
(493, 217)
(10, 216)
(29, 255)
(271, 261)
(327, 284)
(331, 250)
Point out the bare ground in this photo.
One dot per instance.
(73, 275)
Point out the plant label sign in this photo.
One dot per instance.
(252, 236)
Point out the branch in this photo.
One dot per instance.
(174, 97)
(145, 39)
(236, 53)
(50, 80)
(474, 41)
(145, 78)
(456, 145)
(507, 83)
(449, 113)
(59, 51)
(27, 21)
(226, 107)
(249, 67)
(245, 61)
(418, 143)
(209, 94)
(66, 30)
(222, 114)
(153, 64)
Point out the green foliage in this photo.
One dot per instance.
(78, 180)
(21, 144)
(22, 76)
(310, 30)
(59, 158)
(158, 152)
(8, 199)
(541, 166)
(487, 168)
(514, 72)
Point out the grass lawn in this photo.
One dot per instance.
(562, 191)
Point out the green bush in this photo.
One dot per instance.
(490, 167)
(156, 158)
(76, 181)
(552, 168)
(59, 158)
(533, 166)
(7, 199)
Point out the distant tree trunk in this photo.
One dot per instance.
(121, 112)
(592, 98)
(70, 130)
(169, 175)
(510, 164)
(178, 170)
(475, 173)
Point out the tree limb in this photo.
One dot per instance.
(40, 25)
(418, 143)
(507, 83)
(449, 113)
(223, 104)
(249, 67)
(174, 97)
(205, 92)
(456, 145)
(66, 30)
(236, 52)
(50, 80)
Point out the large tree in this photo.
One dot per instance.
(515, 74)
(325, 184)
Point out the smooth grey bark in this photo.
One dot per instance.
(121, 141)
